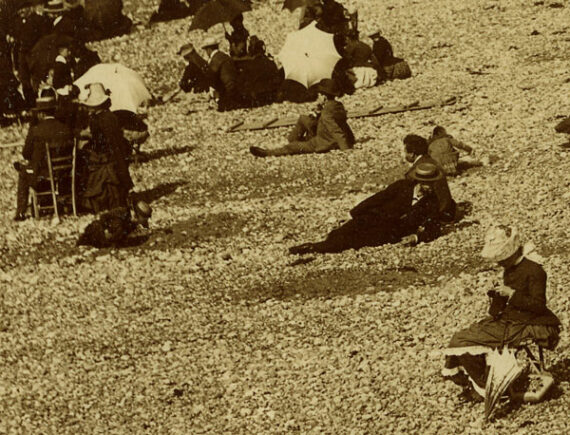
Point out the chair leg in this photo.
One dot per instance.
(35, 205)
(52, 182)
(73, 199)
(541, 357)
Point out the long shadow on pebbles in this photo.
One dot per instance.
(332, 283)
(195, 230)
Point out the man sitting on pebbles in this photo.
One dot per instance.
(332, 132)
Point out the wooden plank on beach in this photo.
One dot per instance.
(361, 113)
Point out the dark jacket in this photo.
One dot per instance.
(62, 74)
(51, 131)
(528, 303)
(382, 50)
(359, 54)
(196, 76)
(30, 29)
(333, 131)
(223, 73)
(447, 205)
(393, 206)
(112, 228)
(386, 217)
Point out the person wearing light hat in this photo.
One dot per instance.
(223, 75)
(405, 212)
(332, 129)
(109, 180)
(113, 228)
(47, 130)
(517, 312)
(54, 7)
(195, 76)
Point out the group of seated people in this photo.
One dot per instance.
(103, 150)
(247, 76)
(45, 45)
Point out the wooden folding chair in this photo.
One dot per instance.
(541, 380)
(59, 169)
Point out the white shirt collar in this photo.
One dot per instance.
(212, 55)
(417, 195)
(61, 59)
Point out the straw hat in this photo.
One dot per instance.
(500, 243)
(98, 95)
(54, 7)
(210, 42)
(46, 102)
(425, 172)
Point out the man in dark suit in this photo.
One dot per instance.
(223, 75)
(333, 132)
(407, 211)
(62, 71)
(195, 77)
(48, 130)
(28, 31)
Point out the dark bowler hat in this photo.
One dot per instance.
(328, 87)
(426, 172)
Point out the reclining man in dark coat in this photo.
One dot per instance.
(332, 130)
(407, 211)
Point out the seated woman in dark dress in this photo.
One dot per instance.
(518, 313)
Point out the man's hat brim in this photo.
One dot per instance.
(426, 172)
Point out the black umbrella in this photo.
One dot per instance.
(42, 56)
(218, 11)
(294, 4)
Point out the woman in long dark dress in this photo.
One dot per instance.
(108, 180)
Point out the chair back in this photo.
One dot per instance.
(61, 165)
